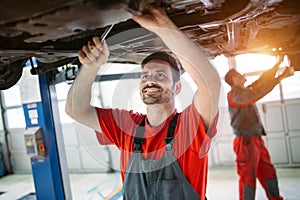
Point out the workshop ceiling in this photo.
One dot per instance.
(53, 31)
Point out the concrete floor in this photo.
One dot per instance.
(222, 185)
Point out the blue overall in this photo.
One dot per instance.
(156, 179)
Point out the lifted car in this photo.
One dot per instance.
(54, 31)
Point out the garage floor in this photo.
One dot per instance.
(222, 185)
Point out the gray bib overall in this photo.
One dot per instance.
(156, 179)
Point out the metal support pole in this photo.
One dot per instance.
(50, 172)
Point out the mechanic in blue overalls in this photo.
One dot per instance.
(252, 157)
(163, 153)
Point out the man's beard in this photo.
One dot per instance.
(164, 96)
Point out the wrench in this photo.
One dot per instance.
(106, 32)
(103, 37)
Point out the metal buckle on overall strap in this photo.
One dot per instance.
(138, 144)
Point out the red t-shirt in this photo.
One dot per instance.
(191, 142)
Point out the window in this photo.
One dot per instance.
(247, 63)
(12, 97)
(222, 67)
(61, 93)
(13, 110)
(15, 118)
(291, 86)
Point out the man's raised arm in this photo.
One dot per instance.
(192, 57)
(92, 56)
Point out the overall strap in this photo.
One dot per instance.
(171, 129)
(139, 138)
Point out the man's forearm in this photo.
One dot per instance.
(265, 84)
(79, 97)
(92, 55)
(190, 54)
(270, 74)
(80, 92)
(197, 65)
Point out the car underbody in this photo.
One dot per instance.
(54, 31)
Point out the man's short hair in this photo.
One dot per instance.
(228, 77)
(169, 58)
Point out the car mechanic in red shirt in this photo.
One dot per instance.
(252, 157)
(163, 153)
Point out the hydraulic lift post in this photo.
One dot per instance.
(49, 168)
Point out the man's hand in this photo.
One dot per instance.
(94, 53)
(289, 71)
(270, 73)
(153, 18)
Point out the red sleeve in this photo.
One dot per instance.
(102, 139)
(194, 132)
(117, 126)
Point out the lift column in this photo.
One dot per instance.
(49, 166)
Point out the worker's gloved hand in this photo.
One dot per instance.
(289, 71)
(94, 54)
(270, 74)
